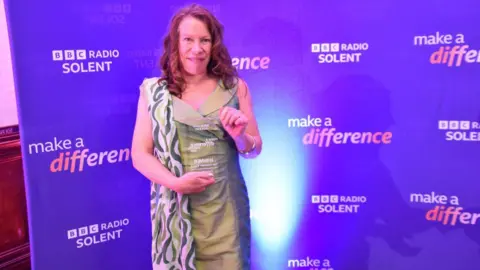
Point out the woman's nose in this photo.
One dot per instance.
(196, 47)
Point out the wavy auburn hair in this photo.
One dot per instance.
(220, 64)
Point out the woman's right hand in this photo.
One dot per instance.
(193, 182)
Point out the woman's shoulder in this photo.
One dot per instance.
(150, 81)
(150, 84)
(231, 83)
(241, 87)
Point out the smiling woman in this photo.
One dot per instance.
(193, 125)
(194, 45)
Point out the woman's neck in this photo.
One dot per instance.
(196, 79)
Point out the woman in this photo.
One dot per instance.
(197, 119)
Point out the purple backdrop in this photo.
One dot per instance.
(369, 112)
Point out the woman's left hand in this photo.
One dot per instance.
(234, 121)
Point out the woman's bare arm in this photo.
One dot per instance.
(142, 148)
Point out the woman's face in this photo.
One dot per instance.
(195, 44)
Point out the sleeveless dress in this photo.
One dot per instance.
(220, 215)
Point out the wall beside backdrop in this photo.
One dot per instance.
(8, 110)
(14, 238)
(369, 111)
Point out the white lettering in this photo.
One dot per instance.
(98, 238)
(435, 39)
(353, 199)
(115, 224)
(103, 54)
(53, 146)
(203, 161)
(354, 47)
(307, 262)
(339, 58)
(309, 121)
(338, 208)
(471, 136)
(428, 198)
(86, 67)
(194, 147)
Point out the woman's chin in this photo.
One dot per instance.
(196, 72)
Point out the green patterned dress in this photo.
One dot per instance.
(208, 230)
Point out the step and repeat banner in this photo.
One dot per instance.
(369, 113)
